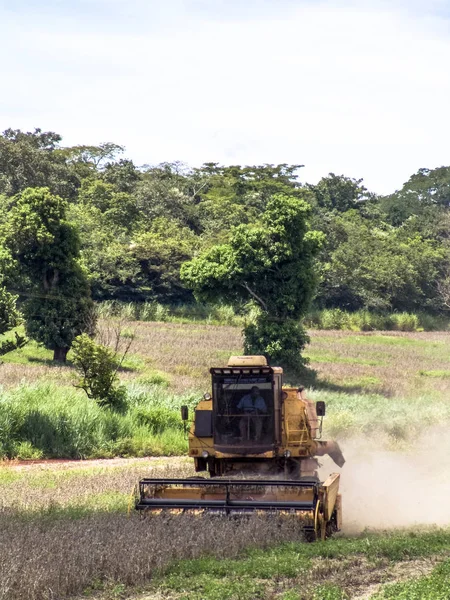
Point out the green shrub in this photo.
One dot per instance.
(405, 322)
(225, 314)
(364, 320)
(334, 318)
(329, 591)
(161, 313)
(98, 366)
(147, 311)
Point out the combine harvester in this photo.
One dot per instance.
(259, 443)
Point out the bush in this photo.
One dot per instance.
(98, 367)
(334, 318)
(405, 322)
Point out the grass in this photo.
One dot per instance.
(395, 360)
(435, 373)
(79, 490)
(436, 586)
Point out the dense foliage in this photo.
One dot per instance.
(270, 264)
(45, 246)
(134, 228)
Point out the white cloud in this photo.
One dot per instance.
(361, 89)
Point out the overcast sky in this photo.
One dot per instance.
(354, 87)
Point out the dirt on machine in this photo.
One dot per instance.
(259, 442)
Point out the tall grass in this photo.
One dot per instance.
(223, 314)
(50, 421)
(213, 314)
(364, 320)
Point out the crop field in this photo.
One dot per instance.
(65, 530)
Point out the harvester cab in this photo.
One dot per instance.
(264, 438)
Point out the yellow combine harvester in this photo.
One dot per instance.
(259, 442)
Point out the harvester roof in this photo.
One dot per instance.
(247, 361)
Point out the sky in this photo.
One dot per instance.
(353, 87)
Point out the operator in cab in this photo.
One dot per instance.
(252, 405)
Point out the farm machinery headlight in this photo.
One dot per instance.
(287, 454)
(205, 453)
(207, 396)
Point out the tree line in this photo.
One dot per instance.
(84, 223)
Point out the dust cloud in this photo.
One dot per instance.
(384, 490)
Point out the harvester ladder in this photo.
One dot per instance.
(297, 437)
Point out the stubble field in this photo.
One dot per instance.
(65, 528)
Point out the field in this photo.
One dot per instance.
(65, 528)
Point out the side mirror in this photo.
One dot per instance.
(320, 408)
(184, 413)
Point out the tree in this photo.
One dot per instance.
(9, 318)
(32, 159)
(272, 265)
(430, 186)
(118, 208)
(168, 190)
(58, 304)
(123, 174)
(93, 156)
(379, 267)
(232, 195)
(160, 253)
(339, 193)
(426, 195)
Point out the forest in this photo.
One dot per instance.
(124, 231)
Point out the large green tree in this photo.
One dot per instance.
(58, 306)
(33, 159)
(339, 193)
(271, 264)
